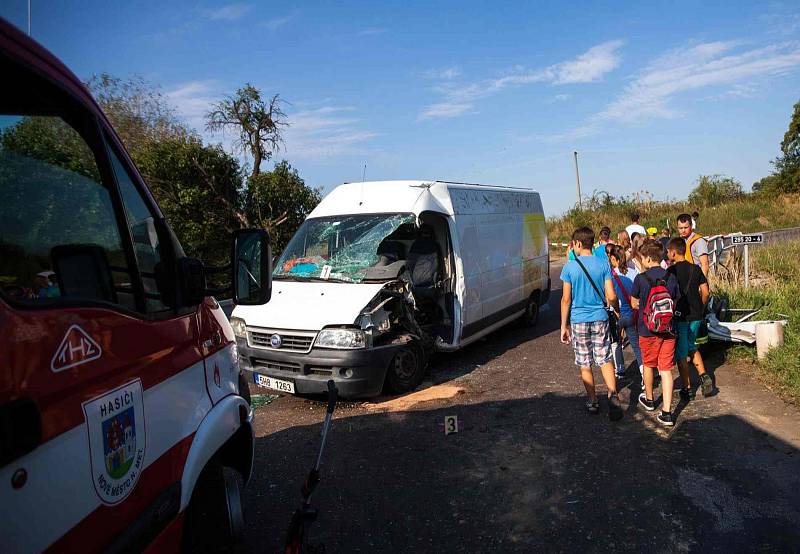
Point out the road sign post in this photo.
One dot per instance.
(746, 265)
(746, 241)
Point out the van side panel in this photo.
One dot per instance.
(467, 232)
(503, 237)
(535, 251)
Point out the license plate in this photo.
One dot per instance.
(274, 384)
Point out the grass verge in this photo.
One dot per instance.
(777, 294)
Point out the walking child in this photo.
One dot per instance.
(623, 285)
(587, 290)
(654, 294)
(689, 317)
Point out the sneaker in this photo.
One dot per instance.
(665, 418)
(648, 405)
(593, 407)
(706, 384)
(687, 394)
(614, 408)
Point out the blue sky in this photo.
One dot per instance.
(650, 95)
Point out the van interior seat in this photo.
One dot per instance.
(390, 251)
(424, 265)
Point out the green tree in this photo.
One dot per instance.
(53, 141)
(199, 190)
(279, 201)
(259, 123)
(712, 190)
(787, 165)
(138, 111)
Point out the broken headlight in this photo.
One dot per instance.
(341, 338)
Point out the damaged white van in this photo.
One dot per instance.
(382, 274)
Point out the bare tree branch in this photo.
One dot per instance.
(259, 124)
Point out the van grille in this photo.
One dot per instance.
(291, 341)
(326, 371)
(260, 363)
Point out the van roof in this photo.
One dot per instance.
(403, 196)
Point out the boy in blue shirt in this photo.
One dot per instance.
(600, 249)
(584, 319)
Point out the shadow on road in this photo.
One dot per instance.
(536, 474)
(448, 366)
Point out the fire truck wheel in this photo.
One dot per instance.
(214, 517)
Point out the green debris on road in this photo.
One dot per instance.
(259, 400)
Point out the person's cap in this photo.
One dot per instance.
(652, 230)
(45, 274)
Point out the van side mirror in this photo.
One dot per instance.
(252, 267)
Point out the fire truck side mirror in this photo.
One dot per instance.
(252, 267)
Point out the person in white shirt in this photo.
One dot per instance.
(635, 227)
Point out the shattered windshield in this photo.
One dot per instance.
(338, 248)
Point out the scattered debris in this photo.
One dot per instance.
(740, 331)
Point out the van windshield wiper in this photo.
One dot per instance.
(328, 280)
(283, 276)
(286, 277)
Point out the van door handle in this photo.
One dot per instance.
(20, 429)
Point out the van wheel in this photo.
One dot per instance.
(214, 517)
(531, 316)
(406, 370)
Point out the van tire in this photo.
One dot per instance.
(406, 370)
(531, 316)
(214, 517)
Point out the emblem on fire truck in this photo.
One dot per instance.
(115, 424)
(76, 348)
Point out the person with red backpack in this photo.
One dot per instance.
(654, 294)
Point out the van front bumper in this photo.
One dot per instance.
(310, 372)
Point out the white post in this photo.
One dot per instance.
(578, 179)
(746, 265)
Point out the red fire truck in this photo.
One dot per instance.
(125, 422)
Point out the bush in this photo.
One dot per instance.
(712, 190)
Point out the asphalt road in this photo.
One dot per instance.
(530, 470)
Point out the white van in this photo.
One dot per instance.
(381, 274)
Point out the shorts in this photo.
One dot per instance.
(686, 338)
(591, 342)
(658, 352)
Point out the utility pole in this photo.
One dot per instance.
(29, 17)
(578, 179)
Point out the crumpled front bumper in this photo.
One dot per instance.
(310, 372)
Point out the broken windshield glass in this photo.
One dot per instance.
(338, 248)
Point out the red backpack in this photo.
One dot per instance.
(660, 307)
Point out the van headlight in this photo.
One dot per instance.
(341, 338)
(239, 327)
